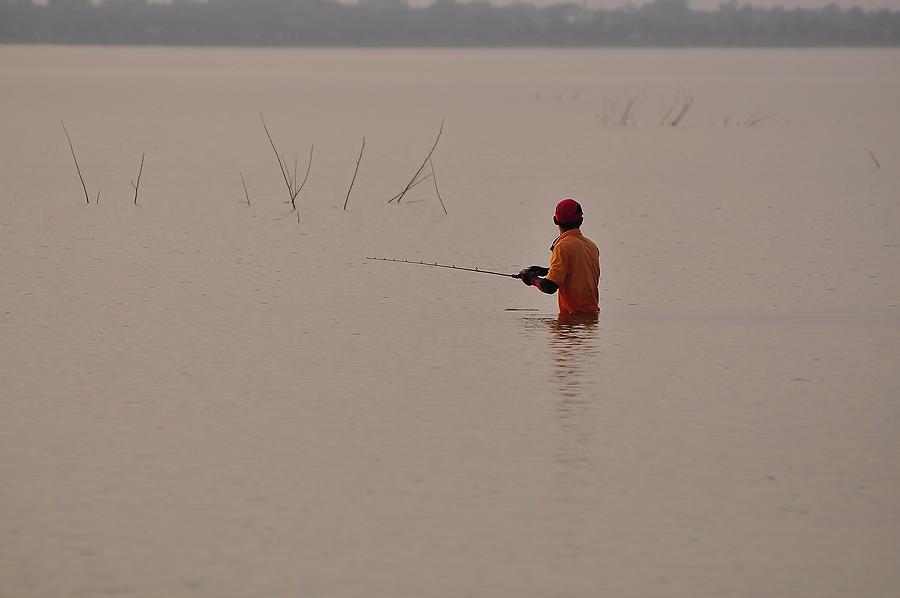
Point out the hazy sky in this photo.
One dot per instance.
(788, 4)
(695, 4)
(712, 4)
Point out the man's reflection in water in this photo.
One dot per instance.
(574, 344)
(574, 341)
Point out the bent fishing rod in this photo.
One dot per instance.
(436, 265)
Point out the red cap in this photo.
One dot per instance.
(568, 211)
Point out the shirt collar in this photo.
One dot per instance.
(568, 233)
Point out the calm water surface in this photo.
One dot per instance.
(202, 397)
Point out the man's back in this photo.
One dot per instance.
(575, 268)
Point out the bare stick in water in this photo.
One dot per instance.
(667, 111)
(422, 180)
(685, 106)
(877, 165)
(86, 197)
(631, 106)
(138, 184)
(355, 173)
(292, 180)
(434, 178)
(749, 118)
(284, 173)
(418, 172)
(246, 193)
(761, 118)
(308, 168)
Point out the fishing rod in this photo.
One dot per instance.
(436, 265)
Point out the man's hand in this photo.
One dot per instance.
(529, 274)
(526, 276)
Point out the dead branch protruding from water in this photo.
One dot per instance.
(413, 181)
(355, 172)
(631, 106)
(299, 188)
(83, 186)
(422, 180)
(620, 112)
(290, 181)
(138, 184)
(277, 155)
(686, 101)
(686, 98)
(667, 111)
(753, 119)
(246, 193)
(434, 178)
(608, 110)
(877, 165)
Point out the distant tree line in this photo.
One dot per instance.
(445, 23)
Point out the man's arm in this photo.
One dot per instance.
(532, 277)
(545, 285)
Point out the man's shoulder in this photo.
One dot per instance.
(588, 241)
(576, 236)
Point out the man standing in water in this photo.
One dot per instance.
(574, 265)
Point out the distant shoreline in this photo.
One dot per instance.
(446, 23)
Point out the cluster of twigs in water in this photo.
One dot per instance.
(84, 186)
(687, 99)
(416, 180)
(620, 112)
(289, 180)
(617, 111)
(750, 120)
(294, 188)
